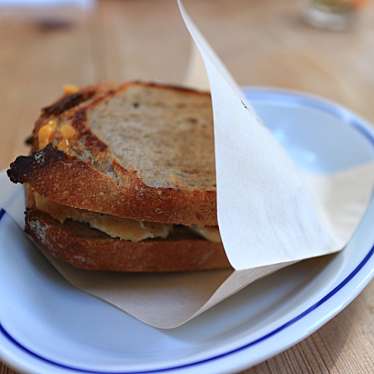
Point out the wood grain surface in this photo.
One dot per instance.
(261, 42)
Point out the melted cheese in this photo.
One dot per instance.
(210, 233)
(121, 228)
(115, 227)
(70, 89)
(45, 133)
(65, 133)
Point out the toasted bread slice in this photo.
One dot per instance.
(140, 151)
(87, 248)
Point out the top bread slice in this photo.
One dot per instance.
(141, 150)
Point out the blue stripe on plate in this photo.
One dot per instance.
(253, 95)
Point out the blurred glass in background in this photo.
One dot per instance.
(335, 15)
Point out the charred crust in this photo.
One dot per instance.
(22, 169)
(91, 141)
(67, 102)
(79, 119)
(29, 141)
(94, 143)
(166, 86)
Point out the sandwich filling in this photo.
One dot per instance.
(121, 228)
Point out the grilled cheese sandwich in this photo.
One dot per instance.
(123, 179)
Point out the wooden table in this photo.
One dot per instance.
(261, 42)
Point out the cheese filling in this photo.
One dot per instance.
(210, 233)
(116, 227)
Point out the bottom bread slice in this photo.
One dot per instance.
(87, 248)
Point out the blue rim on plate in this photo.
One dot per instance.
(253, 95)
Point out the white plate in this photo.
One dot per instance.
(47, 326)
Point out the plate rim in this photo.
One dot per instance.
(252, 93)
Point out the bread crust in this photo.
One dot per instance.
(86, 248)
(67, 179)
